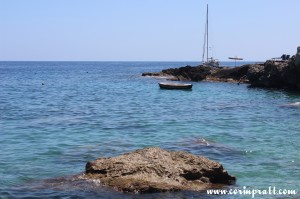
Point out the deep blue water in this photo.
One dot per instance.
(56, 116)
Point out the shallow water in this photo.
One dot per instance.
(56, 116)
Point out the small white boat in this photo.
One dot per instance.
(167, 85)
(235, 59)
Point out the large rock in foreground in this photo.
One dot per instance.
(156, 170)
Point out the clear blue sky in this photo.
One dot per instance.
(146, 30)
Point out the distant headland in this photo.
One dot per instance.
(270, 74)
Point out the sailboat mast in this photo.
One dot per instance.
(207, 32)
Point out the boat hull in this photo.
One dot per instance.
(175, 86)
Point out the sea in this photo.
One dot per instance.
(57, 116)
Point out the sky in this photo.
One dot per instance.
(146, 30)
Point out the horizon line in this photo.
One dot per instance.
(113, 61)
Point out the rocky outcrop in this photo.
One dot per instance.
(189, 73)
(230, 74)
(276, 74)
(297, 59)
(199, 73)
(271, 74)
(156, 170)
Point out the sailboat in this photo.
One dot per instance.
(210, 61)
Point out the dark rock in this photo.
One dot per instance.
(235, 73)
(189, 73)
(156, 170)
(268, 75)
(275, 74)
(152, 74)
(199, 73)
(255, 72)
(291, 77)
(297, 59)
(271, 74)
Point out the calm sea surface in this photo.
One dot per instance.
(56, 116)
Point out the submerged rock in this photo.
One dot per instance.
(292, 105)
(157, 170)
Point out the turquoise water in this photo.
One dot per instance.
(56, 116)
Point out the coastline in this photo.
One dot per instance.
(270, 74)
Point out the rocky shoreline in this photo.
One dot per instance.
(270, 74)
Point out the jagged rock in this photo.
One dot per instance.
(152, 74)
(271, 74)
(189, 73)
(297, 59)
(275, 74)
(231, 73)
(254, 73)
(268, 75)
(156, 170)
(199, 73)
(291, 76)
